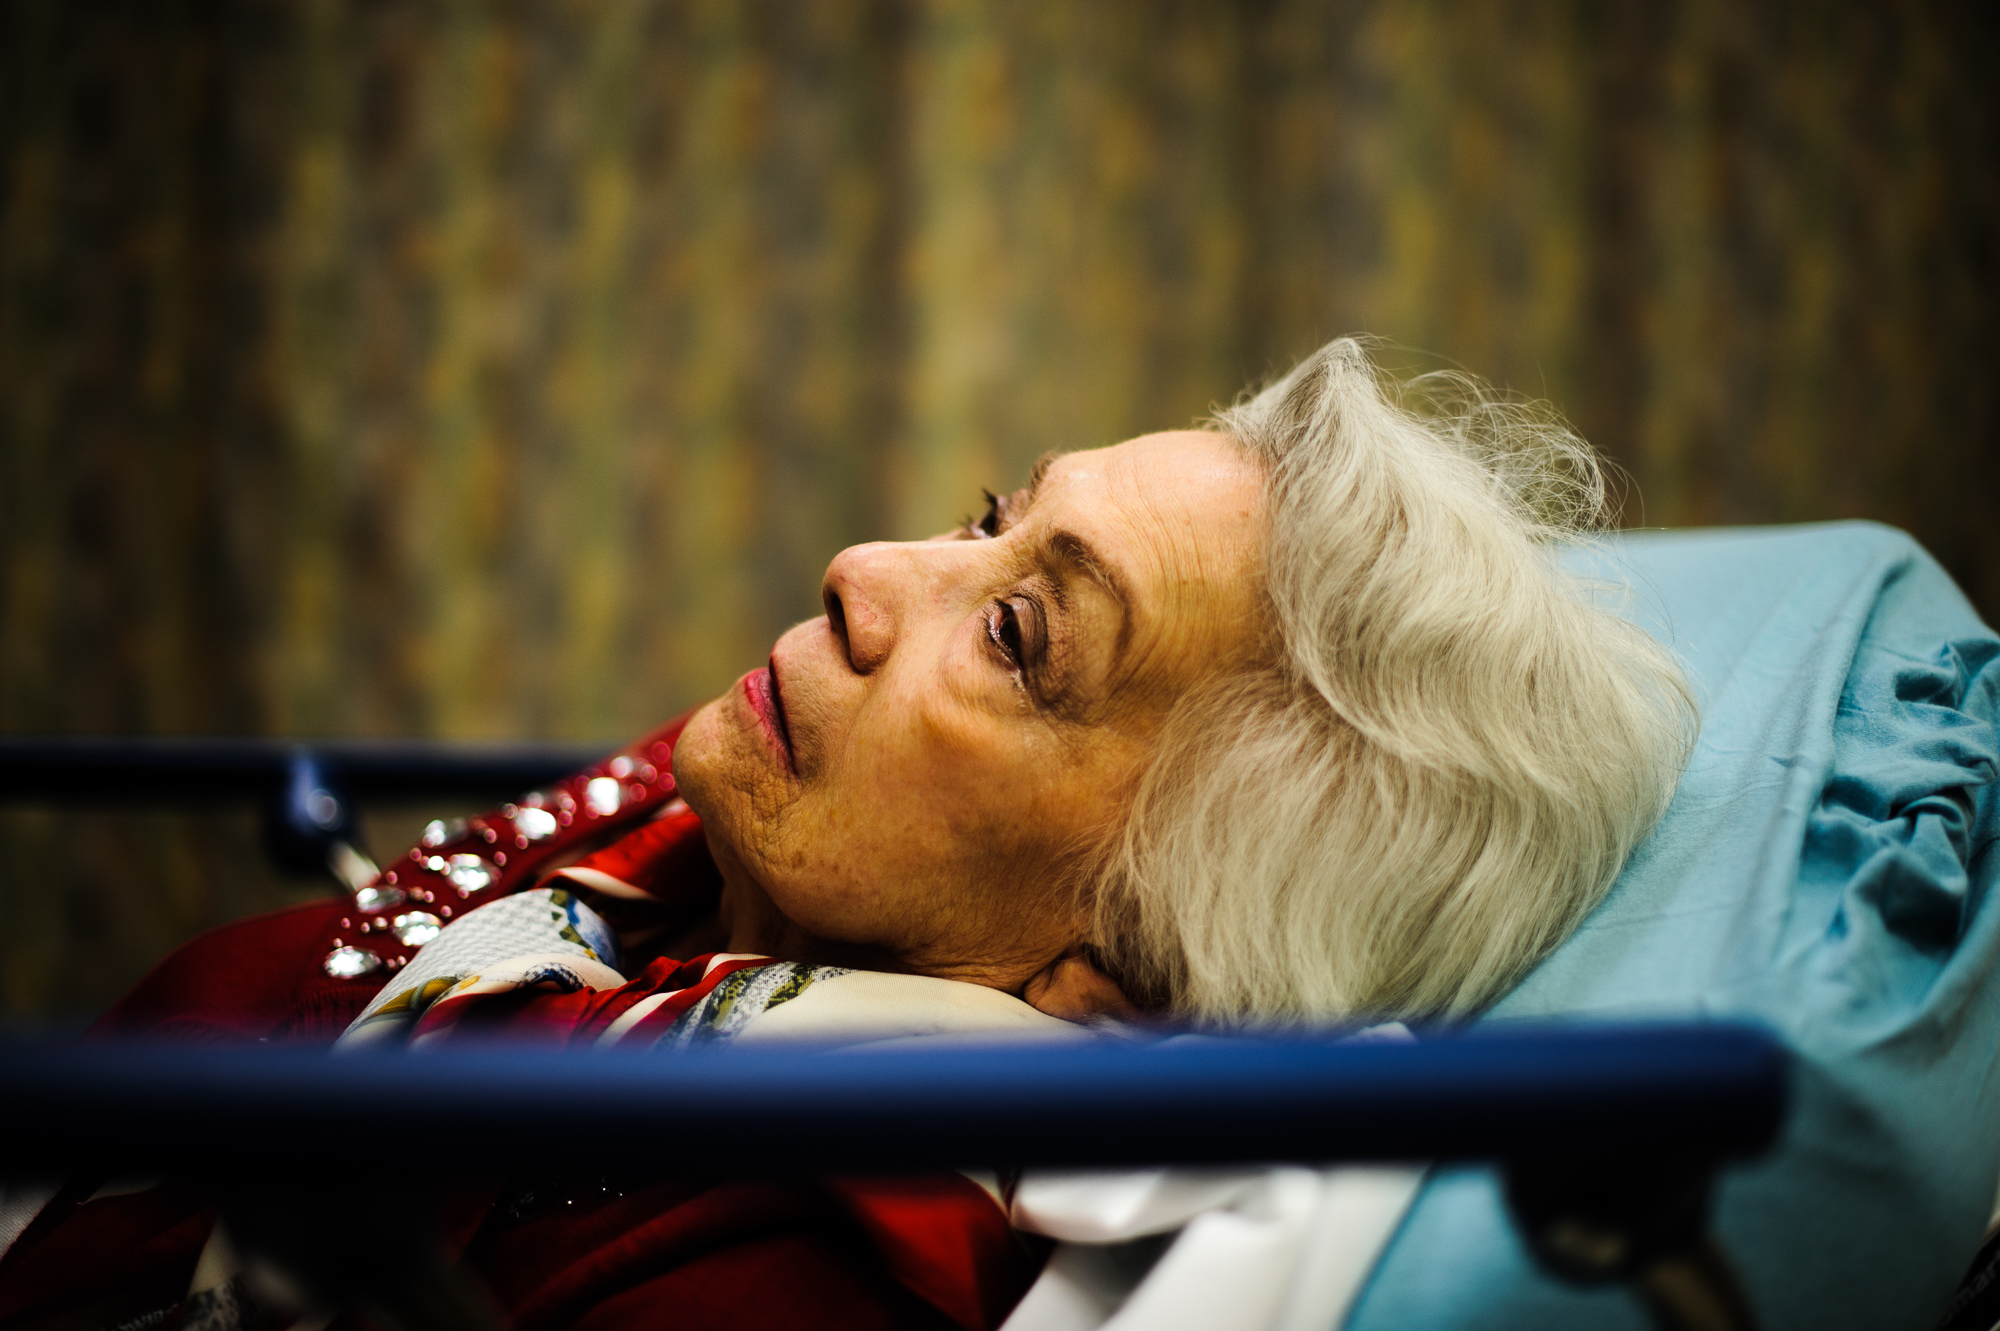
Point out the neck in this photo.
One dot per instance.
(753, 924)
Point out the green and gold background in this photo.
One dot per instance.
(512, 369)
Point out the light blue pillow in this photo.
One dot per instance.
(1826, 868)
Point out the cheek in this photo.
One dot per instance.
(943, 781)
(932, 838)
(886, 835)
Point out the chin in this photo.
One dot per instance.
(699, 756)
(723, 771)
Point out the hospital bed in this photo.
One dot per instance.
(1802, 961)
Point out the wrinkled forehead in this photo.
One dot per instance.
(1179, 519)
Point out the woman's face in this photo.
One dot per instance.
(906, 781)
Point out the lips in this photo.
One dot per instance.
(761, 688)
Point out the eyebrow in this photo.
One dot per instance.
(1068, 548)
(1064, 551)
(1066, 555)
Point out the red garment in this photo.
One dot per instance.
(263, 978)
(660, 860)
(257, 979)
(930, 1251)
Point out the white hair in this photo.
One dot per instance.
(1450, 747)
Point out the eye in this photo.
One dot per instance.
(1004, 627)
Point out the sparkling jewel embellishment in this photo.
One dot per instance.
(467, 873)
(417, 928)
(531, 821)
(535, 824)
(351, 963)
(603, 796)
(374, 898)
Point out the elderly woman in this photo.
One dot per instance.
(1291, 718)
(1295, 718)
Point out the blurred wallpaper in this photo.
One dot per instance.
(489, 369)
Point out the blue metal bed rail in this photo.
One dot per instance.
(1609, 1138)
(307, 791)
(170, 769)
(1709, 1093)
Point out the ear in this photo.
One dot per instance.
(1073, 988)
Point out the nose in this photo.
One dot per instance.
(864, 595)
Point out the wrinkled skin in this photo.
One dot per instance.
(906, 786)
